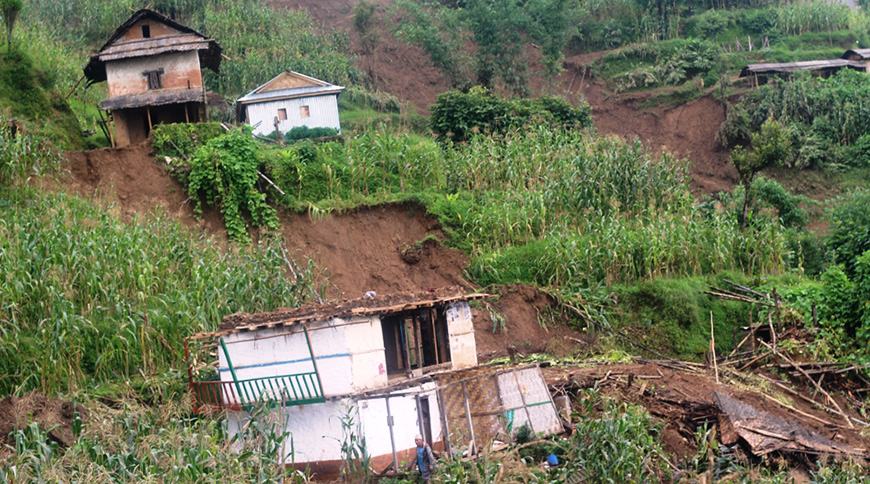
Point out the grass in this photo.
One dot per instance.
(86, 298)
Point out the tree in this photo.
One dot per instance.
(9, 9)
(486, 42)
(770, 146)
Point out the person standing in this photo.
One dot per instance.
(425, 459)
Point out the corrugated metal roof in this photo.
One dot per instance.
(856, 54)
(786, 67)
(256, 96)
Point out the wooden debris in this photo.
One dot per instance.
(766, 433)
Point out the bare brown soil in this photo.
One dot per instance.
(683, 399)
(686, 131)
(52, 415)
(379, 249)
(133, 183)
(528, 325)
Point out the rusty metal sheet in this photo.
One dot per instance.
(766, 433)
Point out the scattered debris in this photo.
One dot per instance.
(766, 433)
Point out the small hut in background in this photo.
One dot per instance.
(759, 73)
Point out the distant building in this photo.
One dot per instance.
(153, 67)
(290, 100)
(858, 55)
(402, 364)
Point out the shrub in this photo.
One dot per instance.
(457, 115)
(181, 140)
(224, 173)
(849, 229)
(303, 132)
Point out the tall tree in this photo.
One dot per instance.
(9, 9)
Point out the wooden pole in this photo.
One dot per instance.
(713, 348)
(473, 444)
(148, 110)
(445, 424)
(523, 398)
(313, 359)
(186, 115)
(74, 88)
(392, 437)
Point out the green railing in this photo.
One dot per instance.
(285, 390)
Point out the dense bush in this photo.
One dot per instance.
(180, 141)
(663, 64)
(457, 115)
(825, 118)
(849, 229)
(224, 174)
(304, 132)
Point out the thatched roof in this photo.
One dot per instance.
(186, 39)
(788, 67)
(364, 306)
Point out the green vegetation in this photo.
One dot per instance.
(27, 95)
(826, 120)
(481, 42)
(9, 9)
(457, 115)
(86, 298)
(137, 443)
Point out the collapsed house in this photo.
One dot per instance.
(288, 101)
(400, 365)
(153, 68)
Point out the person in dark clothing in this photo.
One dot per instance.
(425, 459)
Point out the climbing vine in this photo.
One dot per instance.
(223, 173)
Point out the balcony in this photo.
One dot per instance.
(286, 390)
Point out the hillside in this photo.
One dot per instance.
(687, 131)
(693, 320)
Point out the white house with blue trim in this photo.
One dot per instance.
(289, 100)
(402, 364)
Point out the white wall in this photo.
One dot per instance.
(289, 354)
(323, 111)
(368, 363)
(460, 329)
(317, 432)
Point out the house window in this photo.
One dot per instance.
(415, 340)
(154, 79)
(303, 111)
(282, 114)
(146, 31)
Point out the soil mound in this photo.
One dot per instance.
(53, 416)
(134, 183)
(522, 320)
(684, 399)
(386, 249)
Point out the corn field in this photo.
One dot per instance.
(85, 296)
(554, 208)
(258, 40)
